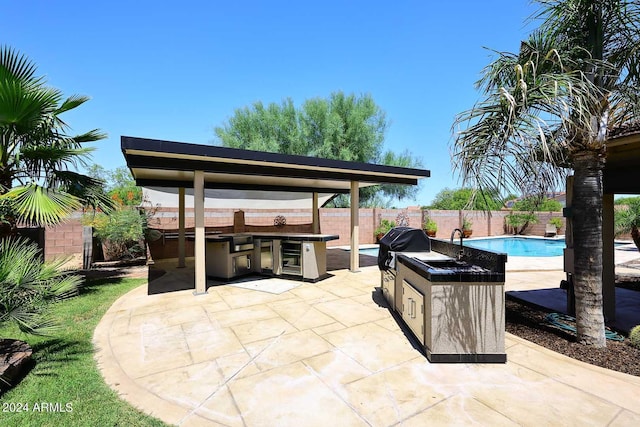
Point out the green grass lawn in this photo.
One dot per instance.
(65, 377)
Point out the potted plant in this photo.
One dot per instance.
(466, 227)
(383, 228)
(430, 227)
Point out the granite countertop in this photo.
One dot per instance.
(472, 273)
(305, 237)
(426, 255)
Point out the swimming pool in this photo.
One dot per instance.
(369, 251)
(513, 246)
(520, 246)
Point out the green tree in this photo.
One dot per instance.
(36, 152)
(344, 127)
(550, 106)
(537, 204)
(274, 129)
(466, 198)
(119, 185)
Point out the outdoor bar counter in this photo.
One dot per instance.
(301, 256)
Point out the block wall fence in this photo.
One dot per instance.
(66, 239)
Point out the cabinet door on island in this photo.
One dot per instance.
(413, 310)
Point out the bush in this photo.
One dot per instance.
(122, 232)
(634, 336)
(556, 222)
(627, 220)
(519, 221)
(28, 286)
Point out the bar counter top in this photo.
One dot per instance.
(300, 237)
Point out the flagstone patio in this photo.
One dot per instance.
(326, 353)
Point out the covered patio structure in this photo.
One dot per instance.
(158, 163)
(621, 175)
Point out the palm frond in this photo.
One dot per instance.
(34, 322)
(21, 108)
(27, 286)
(42, 206)
(87, 189)
(70, 103)
(91, 136)
(524, 129)
(15, 65)
(53, 155)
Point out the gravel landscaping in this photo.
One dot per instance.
(529, 323)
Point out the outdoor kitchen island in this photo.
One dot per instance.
(298, 256)
(451, 297)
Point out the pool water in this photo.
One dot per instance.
(520, 246)
(369, 251)
(513, 246)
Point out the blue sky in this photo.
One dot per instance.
(175, 70)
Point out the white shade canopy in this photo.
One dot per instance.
(233, 199)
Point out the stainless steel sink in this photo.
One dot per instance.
(453, 265)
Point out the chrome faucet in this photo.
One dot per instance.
(453, 234)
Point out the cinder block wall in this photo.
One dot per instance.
(63, 239)
(538, 229)
(66, 239)
(338, 221)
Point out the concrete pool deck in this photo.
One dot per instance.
(331, 352)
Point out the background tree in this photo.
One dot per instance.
(118, 185)
(467, 198)
(343, 127)
(551, 106)
(37, 185)
(523, 211)
(537, 204)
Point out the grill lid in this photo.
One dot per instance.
(401, 239)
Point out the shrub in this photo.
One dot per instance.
(556, 222)
(627, 220)
(28, 286)
(634, 336)
(122, 232)
(519, 221)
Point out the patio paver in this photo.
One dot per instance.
(328, 352)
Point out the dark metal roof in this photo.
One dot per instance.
(628, 129)
(171, 164)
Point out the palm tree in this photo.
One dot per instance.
(27, 286)
(551, 107)
(36, 185)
